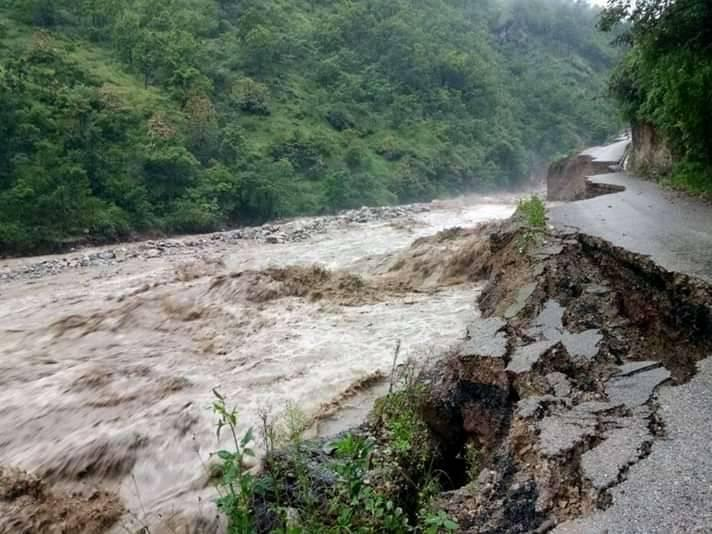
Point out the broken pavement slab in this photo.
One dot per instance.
(525, 358)
(520, 300)
(623, 446)
(561, 432)
(535, 406)
(583, 344)
(634, 390)
(548, 250)
(549, 325)
(485, 338)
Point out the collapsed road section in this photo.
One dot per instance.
(591, 332)
(567, 394)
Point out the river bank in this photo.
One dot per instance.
(543, 416)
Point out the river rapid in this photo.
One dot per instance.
(107, 371)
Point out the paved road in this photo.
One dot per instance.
(670, 491)
(612, 153)
(674, 230)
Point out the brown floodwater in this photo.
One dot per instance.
(107, 372)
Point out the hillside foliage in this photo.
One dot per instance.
(665, 78)
(137, 116)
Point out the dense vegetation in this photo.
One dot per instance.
(123, 116)
(382, 477)
(666, 78)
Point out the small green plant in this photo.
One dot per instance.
(473, 460)
(402, 422)
(294, 424)
(399, 416)
(356, 505)
(430, 519)
(533, 210)
(438, 522)
(237, 487)
(362, 497)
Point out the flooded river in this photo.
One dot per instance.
(107, 371)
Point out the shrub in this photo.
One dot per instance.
(533, 210)
(391, 149)
(194, 214)
(251, 96)
(110, 222)
(694, 177)
(340, 120)
(303, 151)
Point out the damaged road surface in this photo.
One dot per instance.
(569, 392)
(670, 228)
(603, 418)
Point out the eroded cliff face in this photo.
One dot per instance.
(649, 153)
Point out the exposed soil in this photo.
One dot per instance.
(570, 406)
(558, 399)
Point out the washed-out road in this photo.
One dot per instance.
(669, 491)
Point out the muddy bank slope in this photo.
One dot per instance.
(555, 412)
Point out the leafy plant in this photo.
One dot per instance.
(238, 485)
(533, 210)
(439, 522)
(356, 505)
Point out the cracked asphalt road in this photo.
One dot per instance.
(669, 491)
(674, 230)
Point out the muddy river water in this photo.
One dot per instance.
(107, 372)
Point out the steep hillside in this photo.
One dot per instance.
(186, 115)
(663, 86)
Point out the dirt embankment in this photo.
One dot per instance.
(555, 389)
(650, 154)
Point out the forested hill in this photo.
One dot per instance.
(123, 116)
